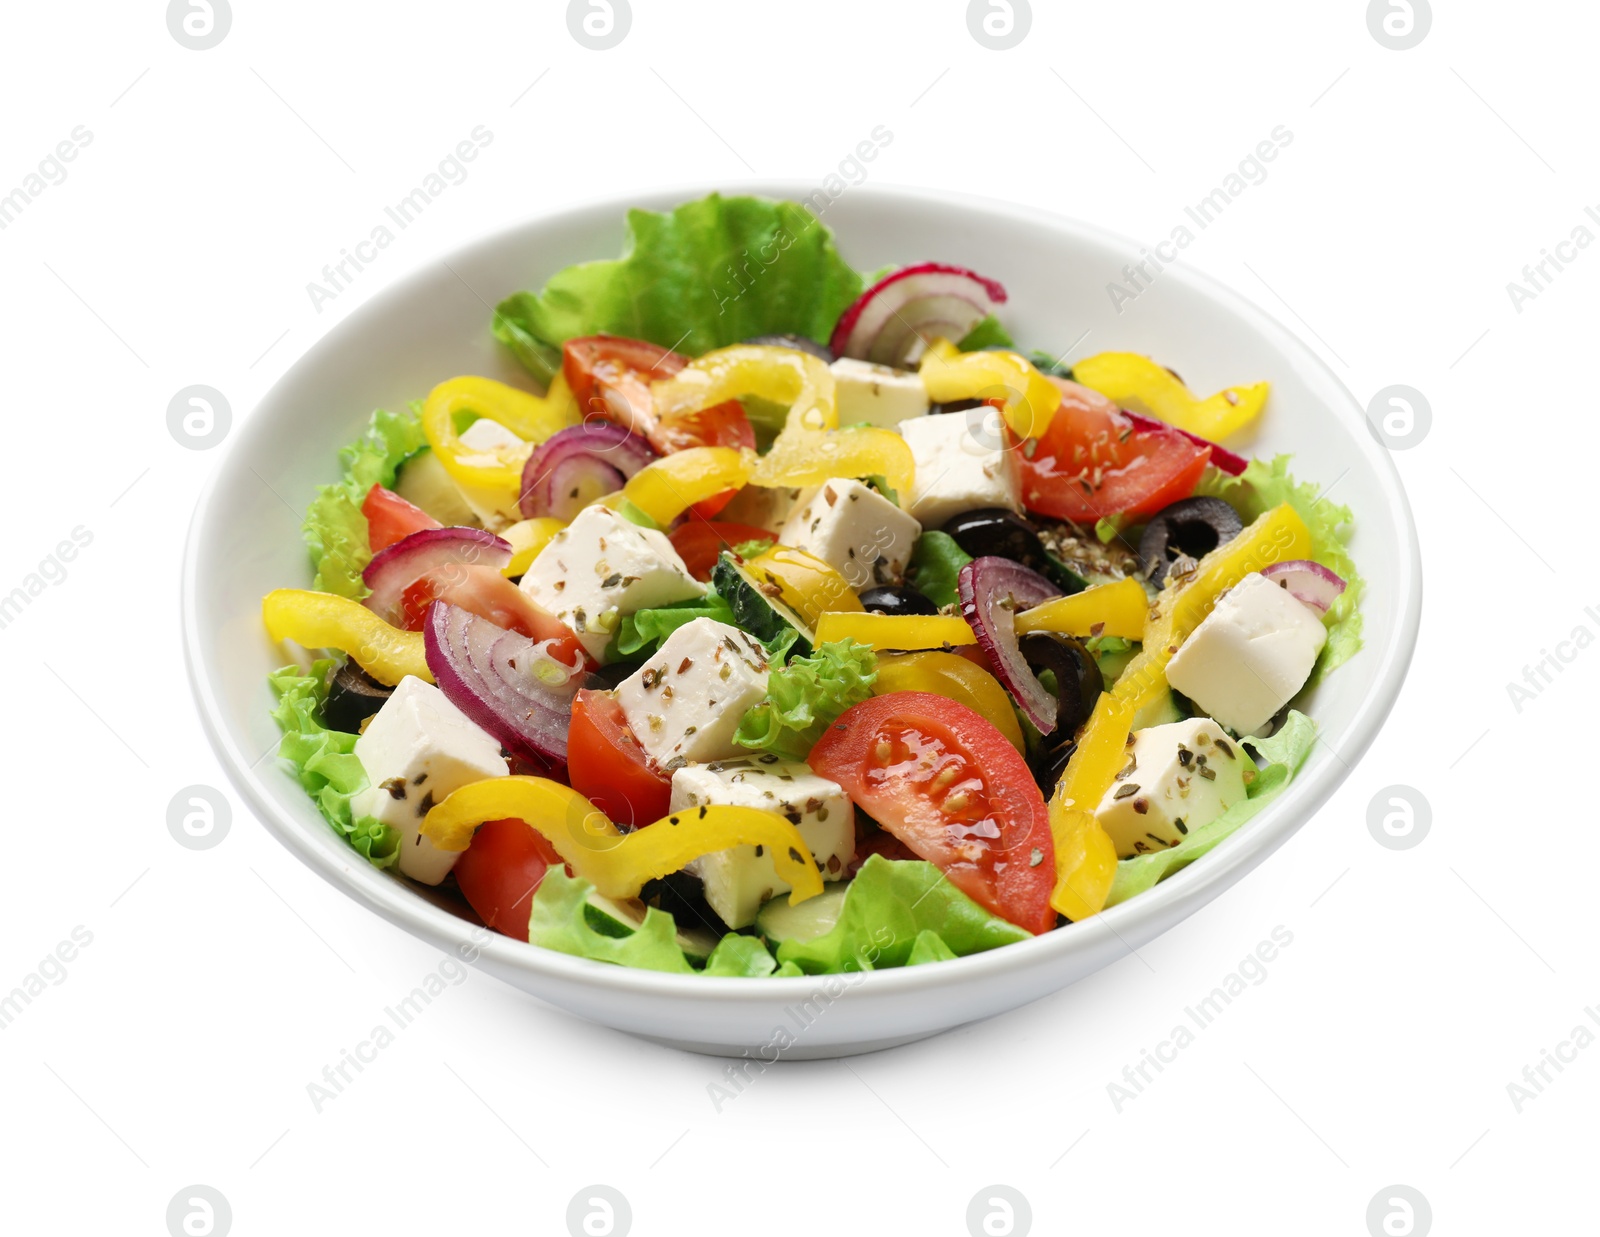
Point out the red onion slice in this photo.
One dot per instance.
(583, 458)
(1306, 581)
(506, 683)
(397, 568)
(1230, 462)
(992, 590)
(891, 322)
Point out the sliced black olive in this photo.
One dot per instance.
(1048, 766)
(999, 532)
(1078, 679)
(1188, 529)
(353, 696)
(955, 405)
(897, 599)
(798, 342)
(609, 678)
(683, 895)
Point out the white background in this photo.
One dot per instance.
(219, 983)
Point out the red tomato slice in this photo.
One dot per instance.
(391, 518)
(488, 594)
(608, 767)
(698, 542)
(500, 872)
(952, 788)
(1092, 463)
(610, 377)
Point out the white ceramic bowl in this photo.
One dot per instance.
(245, 541)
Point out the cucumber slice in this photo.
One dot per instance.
(611, 917)
(778, 921)
(755, 609)
(424, 483)
(1159, 712)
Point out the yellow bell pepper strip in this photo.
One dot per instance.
(896, 631)
(1029, 398)
(1276, 536)
(1117, 609)
(954, 677)
(1137, 382)
(328, 621)
(1086, 858)
(527, 539)
(797, 379)
(668, 487)
(562, 403)
(814, 457)
(527, 416)
(805, 583)
(618, 864)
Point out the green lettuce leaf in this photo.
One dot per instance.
(710, 273)
(1279, 759)
(1264, 486)
(987, 334)
(640, 634)
(559, 922)
(741, 957)
(890, 910)
(325, 762)
(806, 696)
(936, 561)
(335, 529)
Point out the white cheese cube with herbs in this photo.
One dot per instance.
(417, 750)
(766, 507)
(1250, 655)
(877, 394)
(958, 468)
(738, 880)
(685, 703)
(495, 509)
(1178, 778)
(858, 531)
(602, 567)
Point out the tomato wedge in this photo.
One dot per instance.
(610, 376)
(698, 542)
(607, 766)
(950, 786)
(1093, 462)
(391, 518)
(499, 873)
(485, 592)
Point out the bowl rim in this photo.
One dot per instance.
(1178, 896)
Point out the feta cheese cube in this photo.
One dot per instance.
(602, 567)
(1250, 655)
(417, 751)
(738, 880)
(1179, 778)
(877, 394)
(957, 470)
(765, 507)
(685, 702)
(856, 530)
(495, 509)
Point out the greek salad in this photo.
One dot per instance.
(803, 622)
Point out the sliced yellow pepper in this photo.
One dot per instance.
(954, 677)
(525, 415)
(814, 457)
(1086, 858)
(1137, 382)
(328, 621)
(527, 538)
(618, 864)
(1277, 536)
(1030, 399)
(802, 382)
(1117, 609)
(668, 487)
(807, 584)
(896, 631)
